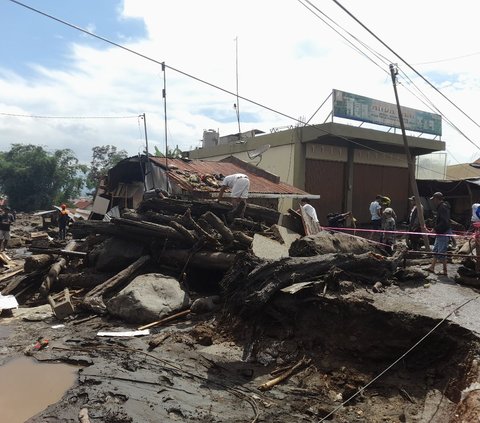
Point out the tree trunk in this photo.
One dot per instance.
(38, 261)
(93, 301)
(204, 259)
(80, 280)
(216, 223)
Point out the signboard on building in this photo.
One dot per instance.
(365, 109)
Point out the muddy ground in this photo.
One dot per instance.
(405, 354)
(210, 366)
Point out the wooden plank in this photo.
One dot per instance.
(310, 227)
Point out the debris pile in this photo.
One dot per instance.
(269, 324)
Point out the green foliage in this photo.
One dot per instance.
(103, 158)
(34, 179)
(176, 153)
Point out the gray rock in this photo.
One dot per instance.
(205, 304)
(148, 298)
(114, 254)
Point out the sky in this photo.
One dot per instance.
(62, 88)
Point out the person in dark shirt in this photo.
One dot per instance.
(63, 220)
(442, 231)
(6, 220)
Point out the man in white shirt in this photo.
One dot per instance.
(240, 186)
(376, 219)
(309, 209)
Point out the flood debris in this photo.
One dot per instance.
(178, 301)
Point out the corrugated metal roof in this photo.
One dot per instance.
(183, 169)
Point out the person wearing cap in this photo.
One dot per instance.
(413, 241)
(6, 220)
(240, 186)
(442, 231)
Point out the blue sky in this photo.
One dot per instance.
(30, 38)
(288, 59)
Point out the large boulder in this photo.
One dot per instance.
(326, 242)
(148, 298)
(114, 254)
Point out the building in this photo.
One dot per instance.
(346, 165)
(199, 179)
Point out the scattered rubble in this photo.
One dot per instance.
(179, 301)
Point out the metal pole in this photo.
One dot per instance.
(411, 168)
(236, 79)
(164, 93)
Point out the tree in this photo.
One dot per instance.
(34, 179)
(103, 158)
(176, 153)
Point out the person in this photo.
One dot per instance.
(240, 186)
(389, 226)
(309, 209)
(475, 215)
(442, 230)
(6, 220)
(413, 241)
(338, 220)
(63, 220)
(376, 215)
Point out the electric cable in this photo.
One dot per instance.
(66, 117)
(398, 359)
(403, 60)
(163, 64)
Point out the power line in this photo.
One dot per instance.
(403, 60)
(164, 65)
(66, 117)
(449, 59)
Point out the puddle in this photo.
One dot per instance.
(28, 387)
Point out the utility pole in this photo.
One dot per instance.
(164, 94)
(147, 164)
(411, 168)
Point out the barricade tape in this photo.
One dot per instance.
(329, 228)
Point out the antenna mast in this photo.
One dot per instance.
(237, 105)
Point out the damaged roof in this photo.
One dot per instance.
(198, 176)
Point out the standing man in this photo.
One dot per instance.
(240, 186)
(442, 231)
(376, 216)
(6, 219)
(63, 219)
(413, 241)
(309, 209)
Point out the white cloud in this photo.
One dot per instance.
(289, 60)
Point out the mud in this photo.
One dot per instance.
(210, 366)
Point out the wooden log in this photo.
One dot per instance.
(189, 236)
(204, 259)
(38, 261)
(93, 301)
(55, 270)
(216, 223)
(157, 340)
(250, 284)
(271, 383)
(166, 319)
(243, 239)
(58, 251)
(10, 274)
(80, 280)
(198, 229)
(153, 228)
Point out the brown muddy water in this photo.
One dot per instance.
(28, 387)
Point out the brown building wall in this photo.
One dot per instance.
(327, 178)
(370, 180)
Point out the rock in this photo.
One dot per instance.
(148, 298)
(326, 242)
(378, 287)
(114, 255)
(267, 248)
(206, 304)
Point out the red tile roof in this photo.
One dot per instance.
(261, 181)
